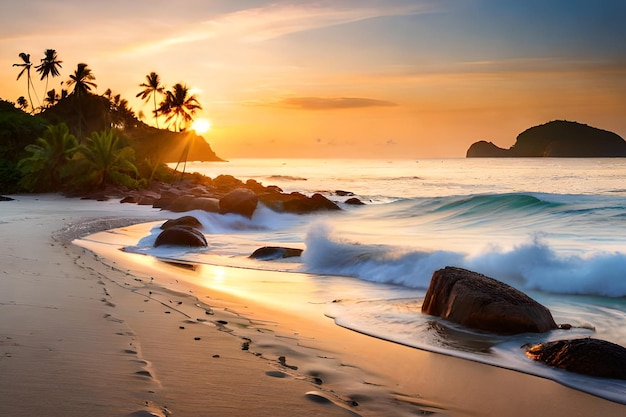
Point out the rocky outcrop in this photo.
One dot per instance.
(484, 149)
(239, 201)
(268, 253)
(185, 221)
(181, 236)
(479, 302)
(559, 138)
(588, 356)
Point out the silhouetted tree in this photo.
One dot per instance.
(152, 87)
(180, 106)
(82, 80)
(26, 65)
(49, 66)
(22, 103)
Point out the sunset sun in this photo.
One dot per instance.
(201, 126)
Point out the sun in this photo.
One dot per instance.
(201, 126)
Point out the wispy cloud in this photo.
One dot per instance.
(321, 103)
(276, 20)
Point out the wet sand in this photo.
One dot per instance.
(92, 331)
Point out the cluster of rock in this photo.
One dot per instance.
(483, 303)
(223, 194)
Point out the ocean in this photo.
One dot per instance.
(553, 228)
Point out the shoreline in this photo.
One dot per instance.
(158, 344)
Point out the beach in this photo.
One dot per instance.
(89, 330)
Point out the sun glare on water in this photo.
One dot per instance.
(201, 126)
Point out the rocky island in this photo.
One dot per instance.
(559, 138)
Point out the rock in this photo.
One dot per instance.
(185, 221)
(588, 356)
(189, 202)
(239, 201)
(181, 236)
(3, 198)
(128, 199)
(302, 204)
(268, 253)
(343, 193)
(558, 138)
(477, 301)
(354, 202)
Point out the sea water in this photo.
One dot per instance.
(553, 228)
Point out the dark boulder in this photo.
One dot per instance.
(185, 221)
(588, 356)
(268, 253)
(190, 202)
(302, 204)
(3, 198)
(239, 201)
(344, 193)
(181, 236)
(477, 301)
(354, 202)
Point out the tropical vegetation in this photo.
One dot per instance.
(77, 140)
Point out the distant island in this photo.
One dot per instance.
(558, 138)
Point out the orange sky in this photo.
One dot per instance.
(347, 78)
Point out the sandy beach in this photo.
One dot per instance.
(88, 330)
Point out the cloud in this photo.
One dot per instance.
(322, 103)
(276, 20)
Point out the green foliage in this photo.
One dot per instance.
(153, 170)
(9, 177)
(17, 129)
(46, 168)
(103, 160)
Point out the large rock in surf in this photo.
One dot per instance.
(268, 253)
(587, 356)
(559, 138)
(477, 301)
(181, 236)
(239, 201)
(185, 221)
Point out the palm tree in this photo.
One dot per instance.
(82, 80)
(44, 169)
(152, 86)
(51, 98)
(22, 103)
(108, 161)
(180, 106)
(26, 65)
(50, 65)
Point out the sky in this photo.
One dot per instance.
(343, 78)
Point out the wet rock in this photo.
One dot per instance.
(268, 253)
(479, 302)
(239, 201)
(186, 221)
(587, 356)
(354, 201)
(181, 236)
(344, 193)
(301, 204)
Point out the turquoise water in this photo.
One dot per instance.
(553, 228)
